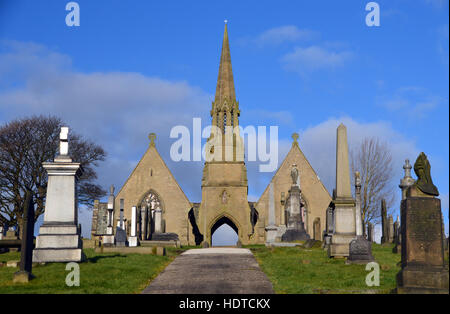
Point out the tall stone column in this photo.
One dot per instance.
(271, 228)
(133, 239)
(108, 239)
(358, 218)
(59, 239)
(344, 212)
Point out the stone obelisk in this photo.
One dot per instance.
(271, 228)
(344, 211)
(59, 238)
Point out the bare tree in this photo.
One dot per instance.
(24, 145)
(373, 160)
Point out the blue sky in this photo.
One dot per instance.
(134, 67)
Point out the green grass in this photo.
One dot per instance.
(298, 270)
(102, 273)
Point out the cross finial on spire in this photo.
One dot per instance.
(295, 137)
(152, 137)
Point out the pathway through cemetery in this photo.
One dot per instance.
(212, 270)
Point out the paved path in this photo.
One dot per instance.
(212, 271)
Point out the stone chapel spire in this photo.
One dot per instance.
(225, 108)
(225, 83)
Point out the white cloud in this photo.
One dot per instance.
(304, 60)
(413, 101)
(281, 34)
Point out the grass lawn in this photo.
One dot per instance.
(298, 270)
(102, 273)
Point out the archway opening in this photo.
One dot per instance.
(224, 233)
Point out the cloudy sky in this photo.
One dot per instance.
(137, 67)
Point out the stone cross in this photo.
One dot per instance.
(407, 180)
(152, 138)
(295, 138)
(64, 141)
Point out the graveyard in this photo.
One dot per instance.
(291, 270)
(285, 198)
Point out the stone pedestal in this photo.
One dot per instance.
(59, 239)
(121, 237)
(345, 229)
(422, 263)
(295, 230)
(108, 240)
(271, 233)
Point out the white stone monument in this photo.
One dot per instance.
(157, 216)
(133, 239)
(108, 239)
(59, 239)
(344, 211)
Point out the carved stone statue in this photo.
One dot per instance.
(422, 169)
(294, 174)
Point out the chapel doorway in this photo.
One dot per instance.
(224, 233)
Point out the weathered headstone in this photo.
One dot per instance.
(370, 232)
(121, 235)
(329, 227)
(59, 240)
(360, 250)
(26, 249)
(384, 223)
(422, 265)
(344, 211)
(391, 229)
(294, 211)
(397, 241)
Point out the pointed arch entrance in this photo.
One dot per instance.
(227, 232)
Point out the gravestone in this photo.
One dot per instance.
(422, 264)
(271, 229)
(294, 211)
(59, 239)
(360, 250)
(26, 249)
(384, 223)
(121, 235)
(133, 239)
(370, 232)
(391, 229)
(329, 227)
(397, 248)
(108, 238)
